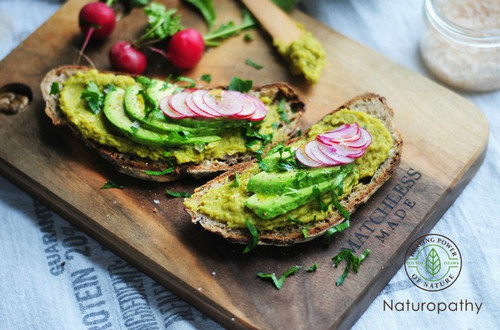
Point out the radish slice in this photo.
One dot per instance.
(306, 160)
(261, 110)
(340, 146)
(175, 107)
(194, 101)
(249, 107)
(225, 103)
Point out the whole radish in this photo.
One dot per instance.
(185, 49)
(97, 20)
(123, 56)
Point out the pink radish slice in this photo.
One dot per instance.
(193, 105)
(314, 151)
(197, 97)
(225, 104)
(260, 112)
(178, 104)
(364, 141)
(249, 107)
(345, 133)
(306, 160)
(340, 159)
(167, 110)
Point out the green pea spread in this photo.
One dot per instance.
(97, 128)
(305, 55)
(227, 203)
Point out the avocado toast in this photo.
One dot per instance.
(130, 131)
(281, 201)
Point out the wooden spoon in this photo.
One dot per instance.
(275, 21)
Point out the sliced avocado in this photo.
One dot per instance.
(276, 183)
(114, 110)
(270, 206)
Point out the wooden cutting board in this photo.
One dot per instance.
(439, 159)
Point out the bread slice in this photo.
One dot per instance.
(371, 104)
(136, 166)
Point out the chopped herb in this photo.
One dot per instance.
(351, 261)
(317, 194)
(177, 194)
(304, 232)
(255, 237)
(275, 125)
(206, 78)
(213, 38)
(313, 268)
(253, 64)
(110, 184)
(236, 182)
(168, 170)
(200, 147)
(240, 85)
(207, 10)
(295, 220)
(109, 88)
(299, 133)
(54, 88)
(94, 97)
(134, 127)
(282, 112)
(248, 37)
(286, 5)
(144, 81)
(190, 81)
(163, 23)
(278, 283)
(150, 104)
(338, 228)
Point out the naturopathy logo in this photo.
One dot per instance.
(433, 262)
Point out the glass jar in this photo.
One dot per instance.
(461, 43)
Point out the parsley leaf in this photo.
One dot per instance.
(168, 170)
(229, 29)
(338, 228)
(54, 88)
(240, 85)
(207, 10)
(282, 112)
(351, 262)
(206, 78)
(236, 182)
(254, 65)
(163, 23)
(110, 184)
(313, 268)
(278, 283)
(177, 194)
(191, 82)
(255, 237)
(94, 97)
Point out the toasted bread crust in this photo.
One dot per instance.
(136, 166)
(372, 104)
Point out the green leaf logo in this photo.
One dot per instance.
(433, 263)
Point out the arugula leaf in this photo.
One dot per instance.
(163, 23)
(336, 229)
(229, 29)
(278, 283)
(206, 7)
(206, 78)
(110, 184)
(240, 85)
(177, 194)
(54, 88)
(255, 237)
(94, 97)
(254, 65)
(351, 262)
(236, 182)
(313, 268)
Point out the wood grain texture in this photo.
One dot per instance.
(158, 238)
